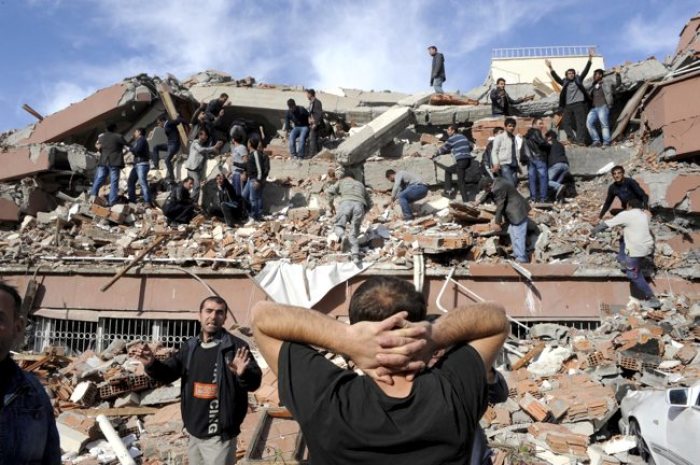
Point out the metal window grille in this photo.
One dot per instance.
(521, 333)
(75, 336)
(542, 52)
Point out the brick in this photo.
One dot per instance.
(533, 407)
(97, 210)
(686, 354)
(428, 139)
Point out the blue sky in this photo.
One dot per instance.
(59, 51)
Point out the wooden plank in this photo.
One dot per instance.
(117, 412)
(167, 99)
(629, 110)
(527, 358)
(138, 258)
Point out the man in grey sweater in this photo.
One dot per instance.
(573, 100)
(354, 202)
(407, 188)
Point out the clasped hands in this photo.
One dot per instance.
(394, 346)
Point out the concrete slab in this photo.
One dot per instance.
(24, 161)
(586, 161)
(9, 211)
(672, 189)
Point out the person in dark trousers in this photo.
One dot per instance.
(573, 100)
(239, 163)
(179, 207)
(316, 123)
(504, 161)
(437, 70)
(501, 101)
(215, 106)
(408, 188)
(624, 189)
(513, 207)
(636, 245)
(486, 167)
(353, 202)
(408, 415)
(139, 148)
(173, 145)
(257, 171)
(497, 393)
(217, 372)
(229, 206)
(557, 165)
(296, 123)
(536, 148)
(602, 99)
(197, 161)
(27, 424)
(467, 170)
(111, 161)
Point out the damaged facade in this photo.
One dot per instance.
(98, 278)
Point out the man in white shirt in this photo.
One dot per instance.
(637, 243)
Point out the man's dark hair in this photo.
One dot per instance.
(572, 70)
(497, 129)
(204, 130)
(552, 134)
(112, 127)
(432, 47)
(382, 296)
(224, 94)
(453, 127)
(635, 203)
(485, 182)
(617, 168)
(535, 120)
(510, 121)
(216, 299)
(16, 299)
(141, 131)
(162, 118)
(255, 142)
(389, 173)
(238, 138)
(188, 178)
(291, 103)
(500, 80)
(599, 71)
(311, 92)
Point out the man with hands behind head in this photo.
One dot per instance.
(399, 412)
(217, 373)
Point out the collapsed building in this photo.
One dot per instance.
(96, 279)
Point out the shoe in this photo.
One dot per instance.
(650, 303)
(560, 193)
(596, 144)
(250, 222)
(357, 261)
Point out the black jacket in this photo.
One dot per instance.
(438, 68)
(139, 147)
(501, 102)
(178, 195)
(537, 145)
(578, 81)
(557, 154)
(226, 193)
(111, 149)
(252, 168)
(625, 190)
(509, 202)
(233, 390)
(171, 131)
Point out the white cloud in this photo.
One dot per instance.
(63, 93)
(657, 35)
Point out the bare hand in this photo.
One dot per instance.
(393, 337)
(240, 362)
(143, 353)
(548, 63)
(496, 168)
(591, 52)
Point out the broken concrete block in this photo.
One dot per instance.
(549, 362)
(619, 444)
(85, 393)
(9, 211)
(127, 400)
(161, 395)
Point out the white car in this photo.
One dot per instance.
(666, 424)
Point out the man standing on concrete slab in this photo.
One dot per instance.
(217, 373)
(408, 188)
(573, 100)
(197, 162)
(437, 71)
(636, 245)
(27, 423)
(139, 148)
(625, 189)
(504, 161)
(257, 170)
(557, 165)
(296, 123)
(467, 170)
(179, 207)
(514, 208)
(215, 106)
(601, 94)
(316, 123)
(536, 148)
(486, 166)
(239, 163)
(172, 146)
(501, 101)
(111, 161)
(355, 201)
(397, 413)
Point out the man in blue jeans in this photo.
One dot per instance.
(437, 70)
(557, 164)
(139, 148)
(299, 118)
(173, 145)
(111, 147)
(407, 188)
(636, 245)
(601, 93)
(257, 171)
(536, 148)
